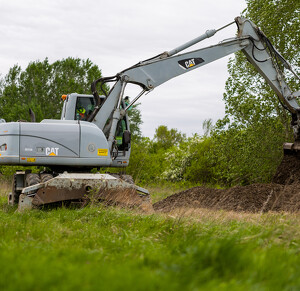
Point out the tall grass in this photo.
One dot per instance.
(99, 248)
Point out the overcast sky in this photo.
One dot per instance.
(117, 34)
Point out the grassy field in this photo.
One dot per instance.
(99, 248)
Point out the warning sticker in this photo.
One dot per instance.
(102, 152)
(30, 160)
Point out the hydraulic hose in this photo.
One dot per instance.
(98, 101)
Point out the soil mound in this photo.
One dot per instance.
(281, 195)
(252, 198)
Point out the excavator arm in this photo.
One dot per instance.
(153, 72)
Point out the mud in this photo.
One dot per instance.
(283, 194)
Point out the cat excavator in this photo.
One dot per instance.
(94, 130)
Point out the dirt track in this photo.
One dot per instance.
(283, 194)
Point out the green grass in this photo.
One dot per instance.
(99, 248)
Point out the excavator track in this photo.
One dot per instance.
(83, 189)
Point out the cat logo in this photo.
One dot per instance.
(51, 151)
(189, 63)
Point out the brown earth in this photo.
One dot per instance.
(288, 171)
(283, 194)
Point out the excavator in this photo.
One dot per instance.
(94, 130)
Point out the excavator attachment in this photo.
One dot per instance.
(81, 189)
(291, 148)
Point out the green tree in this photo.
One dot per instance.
(190, 161)
(165, 138)
(151, 158)
(145, 165)
(40, 86)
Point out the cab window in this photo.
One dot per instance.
(84, 108)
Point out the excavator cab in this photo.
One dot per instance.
(80, 107)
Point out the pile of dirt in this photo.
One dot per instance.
(281, 195)
(252, 198)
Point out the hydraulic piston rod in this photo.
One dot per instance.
(207, 34)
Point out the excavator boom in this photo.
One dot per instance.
(153, 72)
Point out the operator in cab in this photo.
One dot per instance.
(84, 108)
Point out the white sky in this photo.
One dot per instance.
(117, 34)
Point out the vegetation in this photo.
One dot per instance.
(98, 248)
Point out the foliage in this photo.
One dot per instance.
(147, 161)
(165, 138)
(145, 164)
(190, 161)
(165, 159)
(249, 154)
(202, 163)
(207, 127)
(40, 86)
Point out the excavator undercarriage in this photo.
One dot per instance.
(31, 190)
